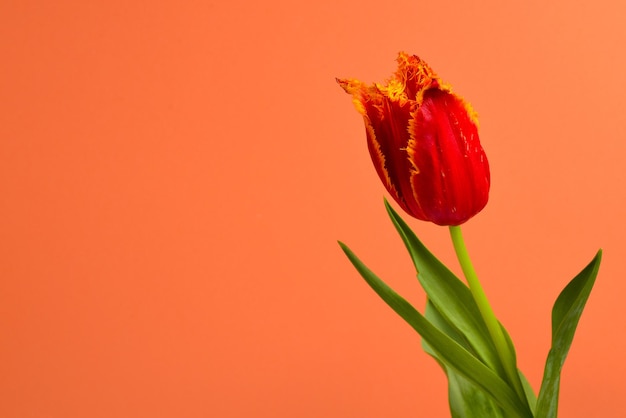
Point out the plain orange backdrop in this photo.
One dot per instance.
(174, 177)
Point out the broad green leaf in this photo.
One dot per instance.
(456, 390)
(446, 349)
(451, 296)
(466, 399)
(565, 316)
(469, 401)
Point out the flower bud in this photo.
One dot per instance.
(423, 140)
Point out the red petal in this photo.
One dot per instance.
(387, 140)
(453, 180)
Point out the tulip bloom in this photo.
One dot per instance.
(423, 140)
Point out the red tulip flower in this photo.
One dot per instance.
(423, 140)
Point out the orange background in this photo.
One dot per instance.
(174, 176)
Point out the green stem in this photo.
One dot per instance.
(495, 330)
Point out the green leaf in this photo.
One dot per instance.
(565, 316)
(446, 349)
(531, 398)
(465, 398)
(528, 390)
(450, 295)
(455, 304)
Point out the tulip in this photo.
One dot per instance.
(423, 140)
